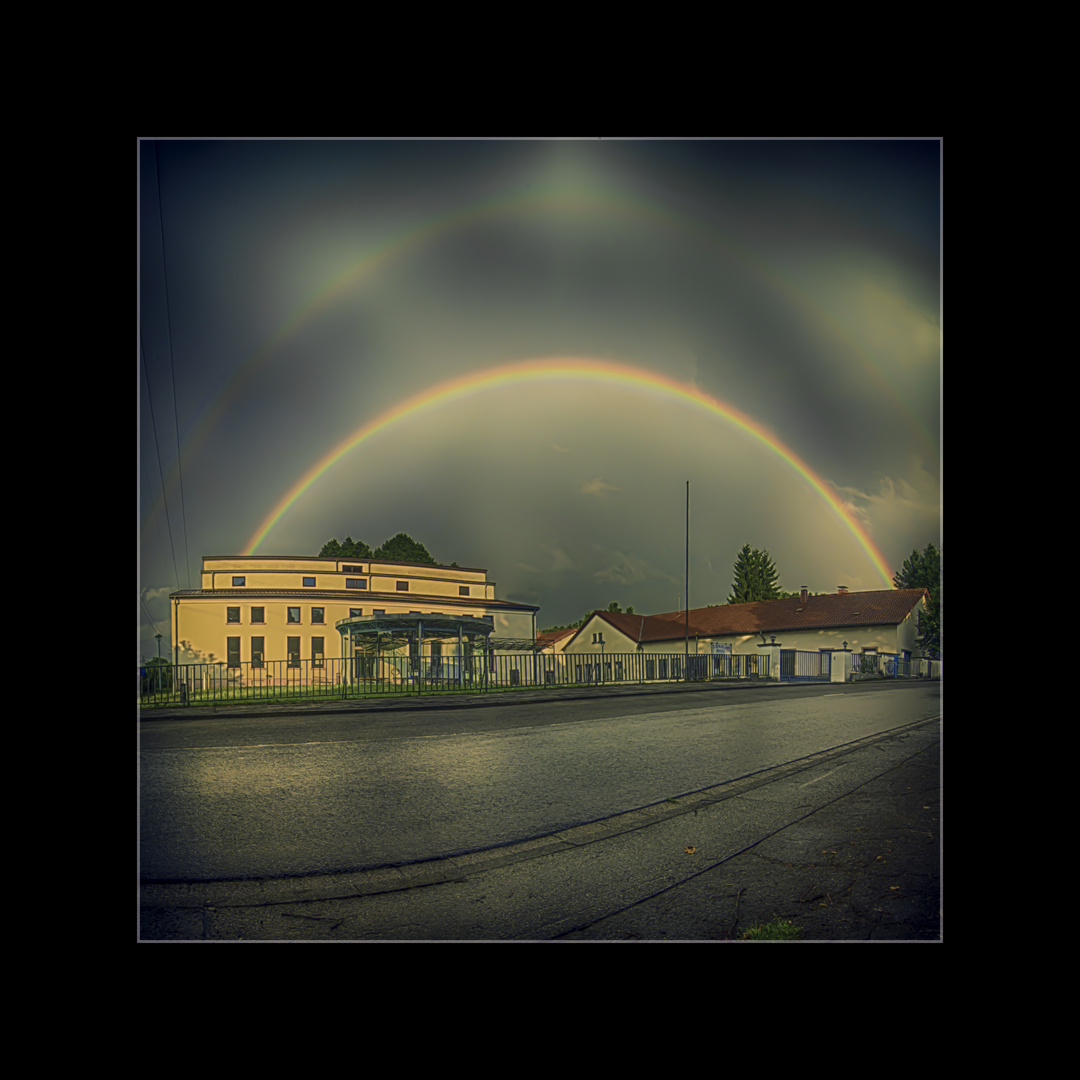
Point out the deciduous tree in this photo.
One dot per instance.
(922, 570)
(403, 548)
(350, 549)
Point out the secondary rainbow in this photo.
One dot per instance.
(526, 202)
(565, 369)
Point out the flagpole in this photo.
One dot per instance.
(686, 644)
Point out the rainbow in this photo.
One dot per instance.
(529, 201)
(565, 369)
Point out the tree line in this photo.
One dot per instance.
(400, 548)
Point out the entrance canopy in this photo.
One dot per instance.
(366, 630)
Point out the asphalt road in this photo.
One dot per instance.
(268, 798)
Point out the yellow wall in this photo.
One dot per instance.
(282, 573)
(614, 640)
(201, 628)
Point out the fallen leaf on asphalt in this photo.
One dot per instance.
(894, 887)
(691, 850)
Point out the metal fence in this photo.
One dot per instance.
(396, 673)
(893, 667)
(390, 674)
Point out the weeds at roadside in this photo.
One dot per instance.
(777, 930)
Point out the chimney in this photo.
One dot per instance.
(841, 590)
(803, 593)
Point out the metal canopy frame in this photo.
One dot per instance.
(385, 638)
(433, 626)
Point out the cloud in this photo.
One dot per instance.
(559, 559)
(907, 507)
(624, 569)
(598, 486)
(895, 324)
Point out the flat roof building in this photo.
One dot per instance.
(259, 608)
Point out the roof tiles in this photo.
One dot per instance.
(884, 607)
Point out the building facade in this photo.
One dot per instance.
(259, 608)
(882, 622)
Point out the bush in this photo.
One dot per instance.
(158, 677)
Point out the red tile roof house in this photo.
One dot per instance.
(882, 622)
(553, 641)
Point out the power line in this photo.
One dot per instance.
(172, 371)
(150, 618)
(153, 422)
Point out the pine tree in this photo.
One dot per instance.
(923, 571)
(755, 577)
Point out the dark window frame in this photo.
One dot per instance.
(232, 652)
(318, 615)
(238, 581)
(315, 659)
(260, 617)
(356, 583)
(289, 615)
(232, 614)
(402, 586)
(309, 582)
(293, 651)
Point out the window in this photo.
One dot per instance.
(232, 614)
(463, 590)
(238, 581)
(293, 649)
(353, 569)
(378, 611)
(355, 583)
(234, 651)
(294, 614)
(258, 651)
(317, 651)
(317, 614)
(402, 586)
(309, 583)
(355, 612)
(258, 614)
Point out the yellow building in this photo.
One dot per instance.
(260, 608)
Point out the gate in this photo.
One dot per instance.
(796, 666)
